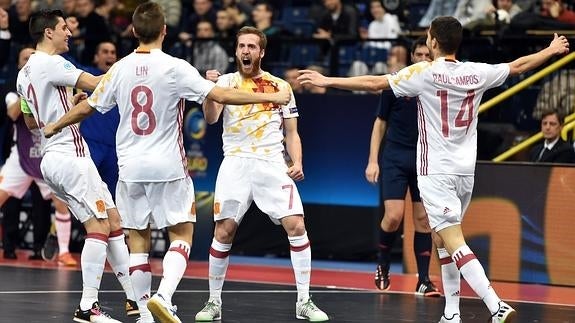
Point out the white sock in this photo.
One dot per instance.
(63, 229)
(119, 260)
(451, 279)
(475, 276)
(92, 260)
(218, 266)
(300, 253)
(174, 265)
(141, 276)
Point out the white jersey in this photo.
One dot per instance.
(255, 130)
(149, 89)
(46, 83)
(449, 93)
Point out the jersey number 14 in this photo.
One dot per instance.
(464, 116)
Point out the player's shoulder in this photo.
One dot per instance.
(269, 76)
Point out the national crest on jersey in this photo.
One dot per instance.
(255, 130)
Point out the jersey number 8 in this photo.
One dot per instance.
(145, 108)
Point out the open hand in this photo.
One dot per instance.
(312, 77)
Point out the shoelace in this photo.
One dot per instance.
(211, 308)
(309, 307)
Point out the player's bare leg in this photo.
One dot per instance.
(224, 234)
(300, 254)
(473, 273)
(174, 265)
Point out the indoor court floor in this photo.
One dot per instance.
(37, 291)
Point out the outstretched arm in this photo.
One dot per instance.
(88, 82)
(559, 45)
(225, 95)
(78, 113)
(371, 83)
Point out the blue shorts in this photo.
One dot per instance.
(398, 172)
(106, 161)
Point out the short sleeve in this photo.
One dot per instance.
(103, 98)
(408, 81)
(495, 74)
(63, 73)
(289, 110)
(191, 85)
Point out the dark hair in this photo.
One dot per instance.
(448, 33)
(419, 42)
(549, 112)
(268, 6)
(253, 30)
(41, 20)
(148, 21)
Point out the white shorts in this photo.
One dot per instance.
(161, 204)
(75, 180)
(243, 180)
(15, 181)
(445, 198)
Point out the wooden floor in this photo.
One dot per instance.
(37, 291)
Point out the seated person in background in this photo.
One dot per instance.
(501, 14)
(557, 10)
(397, 58)
(383, 25)
(553, 149)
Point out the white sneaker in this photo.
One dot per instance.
(212, 311)
(308, 311)
(454, 319)
(505, 314)
(93, 315)
(162, 310)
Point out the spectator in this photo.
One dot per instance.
(92, 30)
(557, 10)
(553, 149)
(226, 30)
(437, 8)
(173, 12)
(397, 59)
(203, 10)
(558, 93)
(18, 16)
(471, 13)
(337, 21)
(208, 54)
(5, 37)
(384, 25)
(262, 16)
(503, 13)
